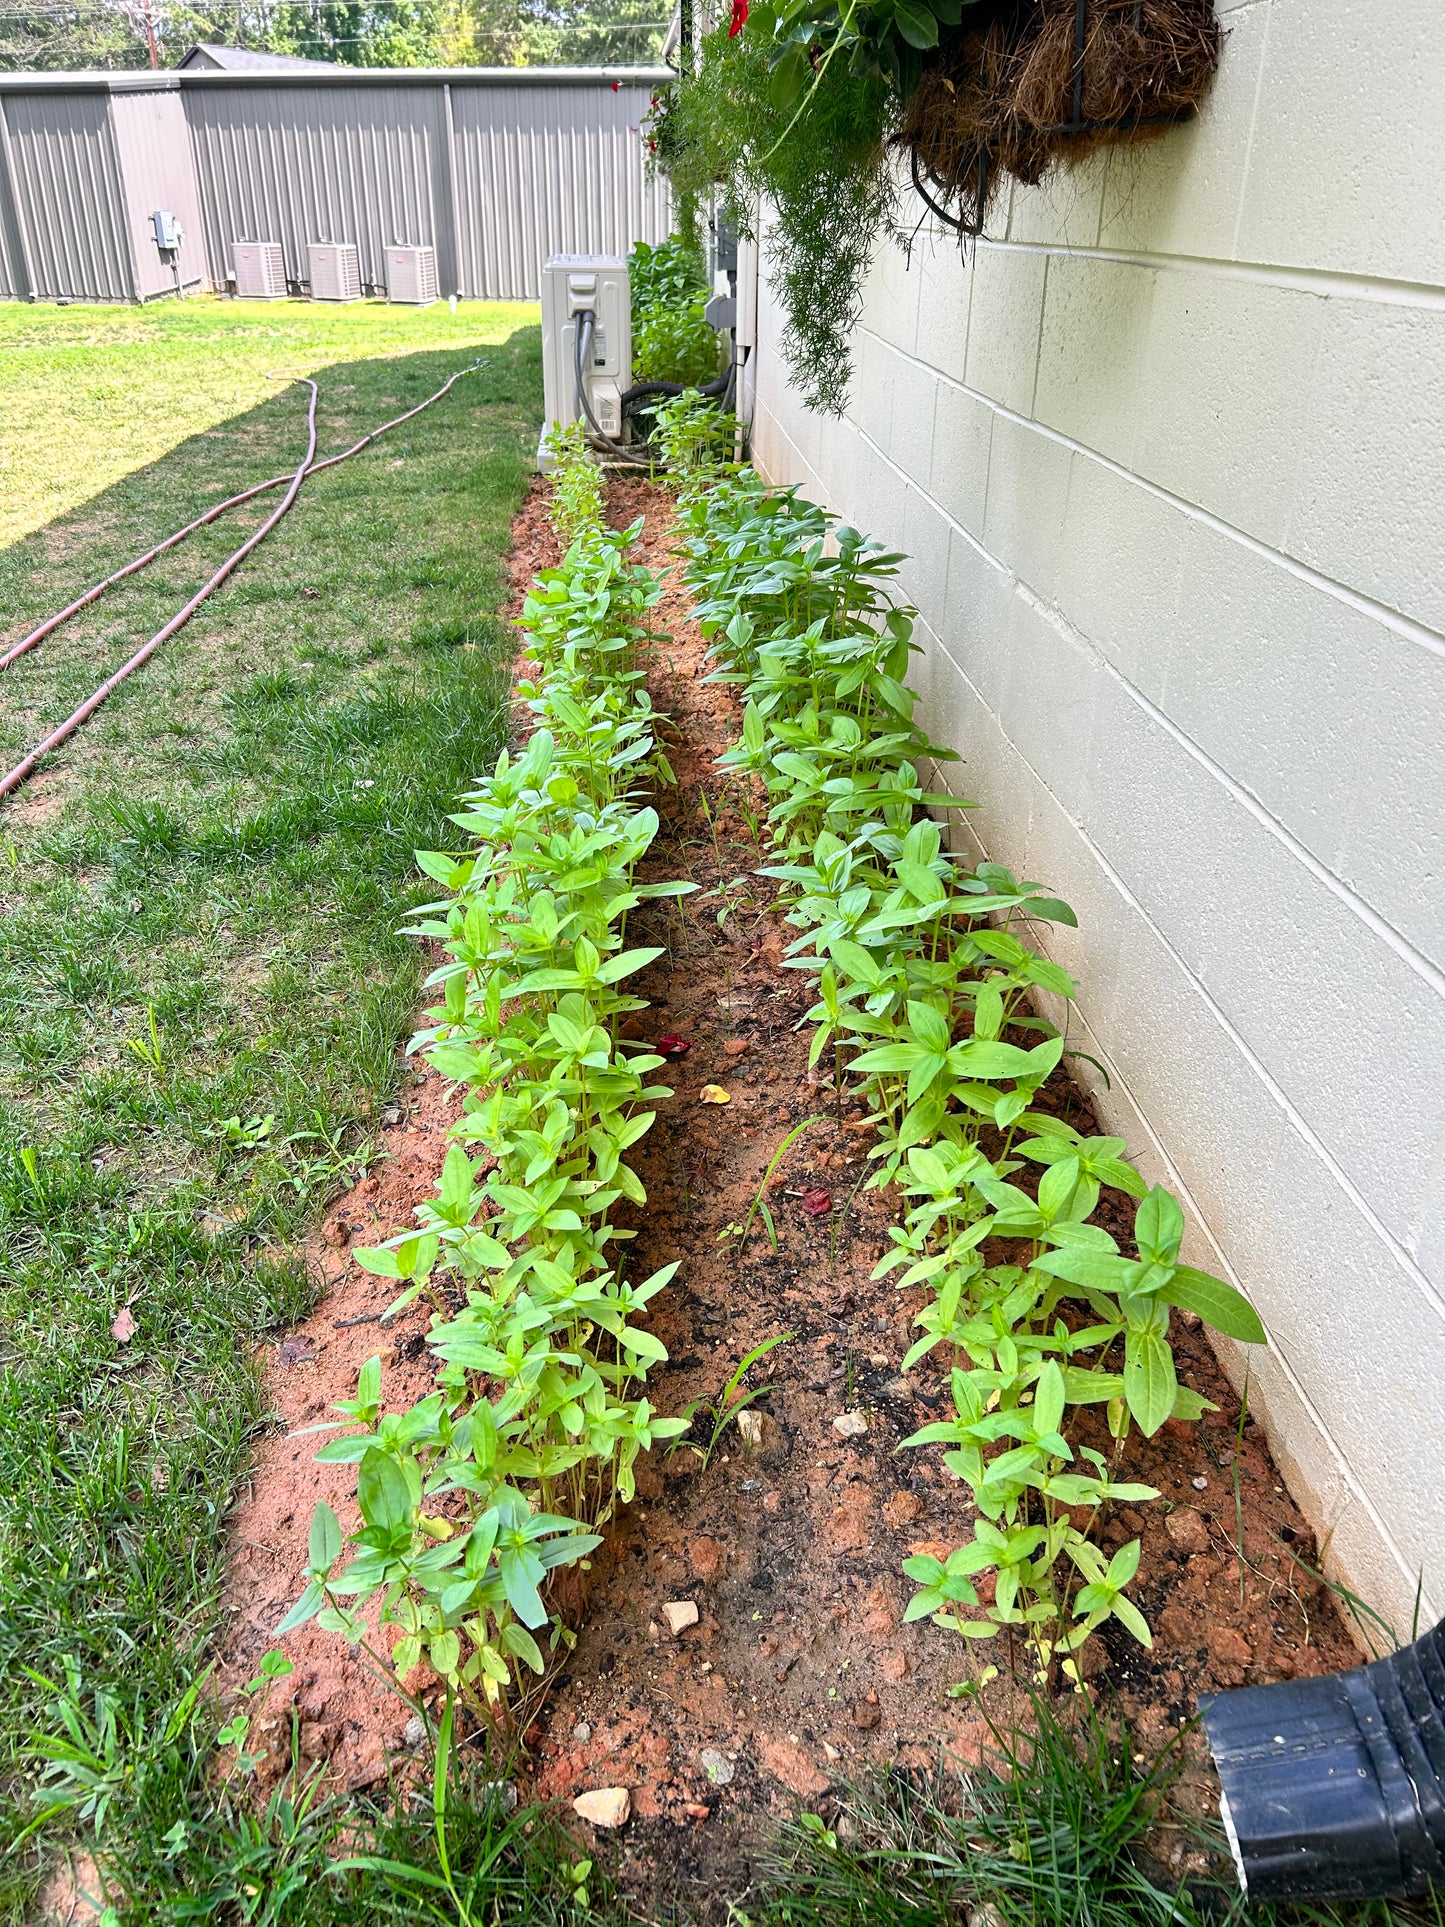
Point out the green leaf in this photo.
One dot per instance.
(306, 1607)
(382, 1491)
(1217, 1303)
(1049, 1399)
(917, 25)
(790, 77)
(1149, 1382)
(324, 1543)
(1159, 1225)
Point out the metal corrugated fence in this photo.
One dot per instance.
(496, 168)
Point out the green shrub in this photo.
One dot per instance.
(671, 337)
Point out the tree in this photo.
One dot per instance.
(53, 34)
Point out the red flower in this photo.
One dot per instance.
(671, 1046)
(816, 1202)
(740, 18)
(615, 85)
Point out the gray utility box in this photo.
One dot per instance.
(411, 276)
(260, 271)
(335, 271)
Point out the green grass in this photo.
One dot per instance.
(89, 395)
(198, 906)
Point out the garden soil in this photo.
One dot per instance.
(798, 1670)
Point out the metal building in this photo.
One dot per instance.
(494, 167)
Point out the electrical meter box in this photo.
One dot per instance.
(574, 286)
(167, 230)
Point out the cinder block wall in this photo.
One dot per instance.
(1168, 452)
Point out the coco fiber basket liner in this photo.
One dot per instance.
(1047, 81)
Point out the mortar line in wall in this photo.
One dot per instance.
(1292, 1116)
(1402, 625)
(1383, 291)
(1253, 127)
(1423, 967)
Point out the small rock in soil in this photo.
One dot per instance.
(735, 1046)
(901, 1509)
(414, 1732)
(1177, 1626)
(894, 1666)
(581, 1733)
(1186, 1529)
(679, 1614)
(850, 1425)
(717, 1766)
(1230, 1646)
(609, 1806)
(750, 1428)
(705, 1555)
(791, 1765)
(866, 1717)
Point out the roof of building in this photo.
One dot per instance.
(248, 60)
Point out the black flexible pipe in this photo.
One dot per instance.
(642, 390)
(1335, 1787)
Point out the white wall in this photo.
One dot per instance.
(1168, 452)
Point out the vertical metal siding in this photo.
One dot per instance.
(68, 194)
(157, 171)
(14, 281)
(513, 173)
(302, 164)
(548, 170)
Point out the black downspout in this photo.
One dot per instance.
(1335, 1787)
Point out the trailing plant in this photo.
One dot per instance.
(801, 107)
(672, 339)
(501, 1475)
(927, 982)
(823, 175)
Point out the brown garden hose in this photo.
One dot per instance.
(25, 767)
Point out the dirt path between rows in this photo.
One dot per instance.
(799, 1669)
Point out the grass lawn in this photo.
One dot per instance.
(89, 395)
(201, 989)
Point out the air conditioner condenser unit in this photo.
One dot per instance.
(411, 276)
(335, 271)
(575, 286)
(260, 271)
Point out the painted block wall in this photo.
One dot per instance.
(1167, 450)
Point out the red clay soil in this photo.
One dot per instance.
(799, 1670)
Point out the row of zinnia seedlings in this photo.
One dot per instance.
(502, 1473)
(927, 993)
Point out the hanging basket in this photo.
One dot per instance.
(1045, 82)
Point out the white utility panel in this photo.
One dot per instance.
(573, 284)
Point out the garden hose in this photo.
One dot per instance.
(310, 466)
(98, 589)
